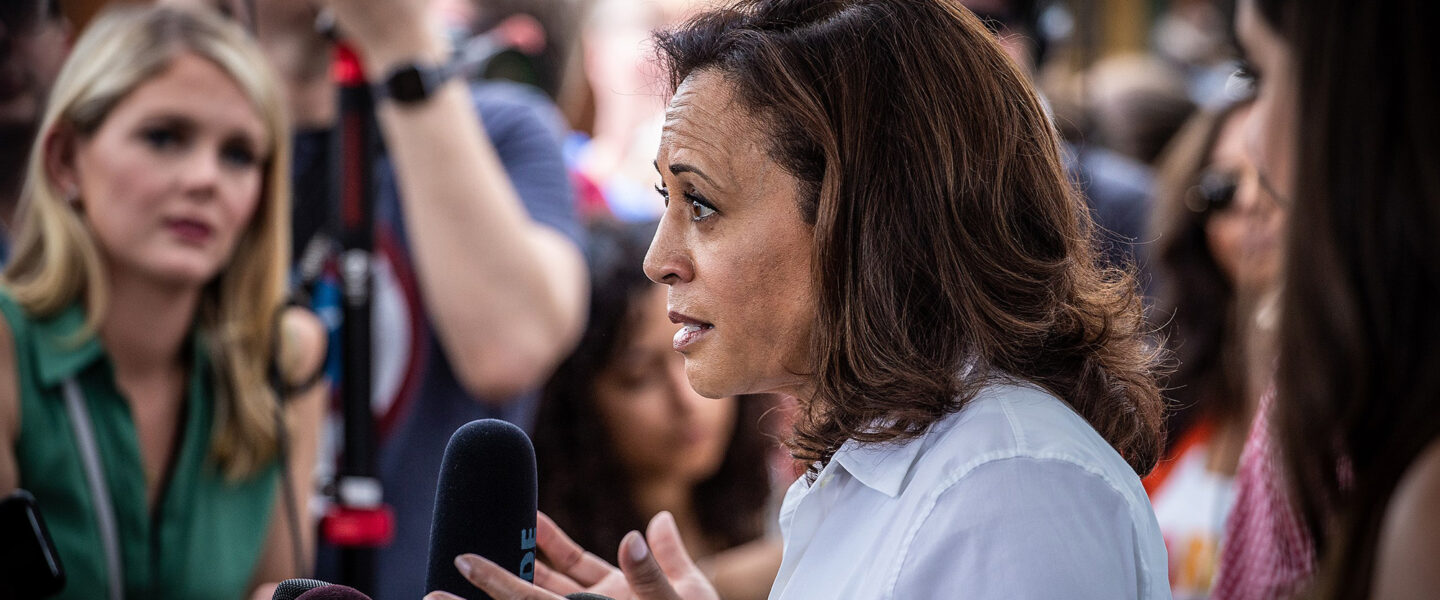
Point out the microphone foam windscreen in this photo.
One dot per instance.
(484, 504)
(291, 589)
(333, 592)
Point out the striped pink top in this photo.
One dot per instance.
(1266, 554)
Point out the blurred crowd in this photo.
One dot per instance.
(507, 280)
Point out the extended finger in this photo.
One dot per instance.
(500, 583)
(669, 548)
(644, 575)
(568, 557)
(555, 581)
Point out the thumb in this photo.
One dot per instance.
(647, 581)
(670, 551)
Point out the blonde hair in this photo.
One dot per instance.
(57, 262)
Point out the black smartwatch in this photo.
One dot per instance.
(412, 83)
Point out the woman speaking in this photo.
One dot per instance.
(866, 210)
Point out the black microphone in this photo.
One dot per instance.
(314, 589)
(333, 592)
(484, 504)
(291, 589)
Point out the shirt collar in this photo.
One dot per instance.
(63, 347)
(882, 467)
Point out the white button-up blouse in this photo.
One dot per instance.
(1013, 497)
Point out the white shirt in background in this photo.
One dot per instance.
(1013, 497)
(1191, 508)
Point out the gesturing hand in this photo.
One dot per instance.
(667, 573)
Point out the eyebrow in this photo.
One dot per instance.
(678, 168)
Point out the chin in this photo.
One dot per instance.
(185, 274)
(707, 382)
(698, 473)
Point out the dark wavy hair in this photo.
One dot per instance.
(947, 237)
(583, 485)
(1196, 307)
(1357, 377)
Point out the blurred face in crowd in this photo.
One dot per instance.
(732, 246)
(237, 10)
(1243, 233)
(1272, 131)
(33, 46)
(172, 177)
(661, 428)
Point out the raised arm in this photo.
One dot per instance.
(506, 294)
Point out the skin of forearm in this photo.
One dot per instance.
(506, 294)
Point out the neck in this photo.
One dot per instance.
(674, 496)
(146, 325)
(1225, 446)
(799, 392)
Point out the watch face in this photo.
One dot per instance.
(407, 84)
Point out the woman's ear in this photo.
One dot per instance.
(60, 165)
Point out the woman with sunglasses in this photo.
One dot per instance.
(1340, 482)
(1216, 253)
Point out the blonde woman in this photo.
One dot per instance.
(143, 319)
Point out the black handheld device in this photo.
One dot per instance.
(29, 566)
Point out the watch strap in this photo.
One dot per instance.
(413, 82)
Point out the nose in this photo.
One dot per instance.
(1247, 190)
(668, 260)
(201, 174)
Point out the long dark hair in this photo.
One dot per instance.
(583, 485)
(1196, 308)
(1358, 380)
(947, 237)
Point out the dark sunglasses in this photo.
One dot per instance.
(1215, 192)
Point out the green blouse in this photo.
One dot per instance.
(206, 532)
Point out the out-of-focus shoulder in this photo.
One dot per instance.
(1410, 534)
(302, 345)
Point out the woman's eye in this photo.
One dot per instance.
(238, 156)
(637, 381)
(664, 195)
(161, 138)
(699, 208)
